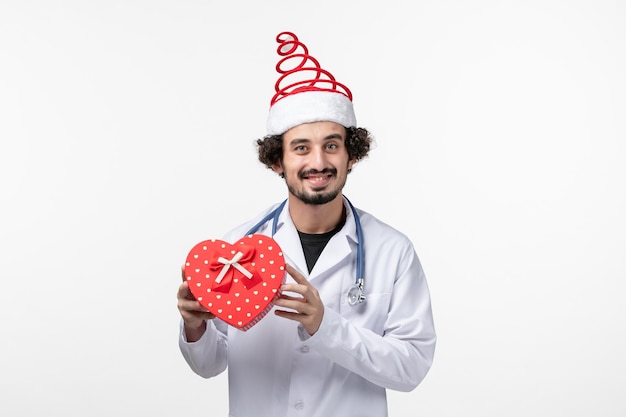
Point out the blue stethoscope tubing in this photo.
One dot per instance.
(355, 294)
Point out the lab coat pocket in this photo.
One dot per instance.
(370, 314)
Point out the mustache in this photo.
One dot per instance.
(331, 171)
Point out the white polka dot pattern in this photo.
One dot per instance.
(218, 278)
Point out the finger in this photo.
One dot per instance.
(182, 272)
(191, 306)
(298, 277)
(205, 315)
(284, 296)
(183, 290)
(288, 315)
(195, 319)
(297, 288)
(296, 306)
(184, 293)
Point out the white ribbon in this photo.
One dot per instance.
(235, 264)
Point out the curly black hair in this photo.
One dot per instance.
(358, 142)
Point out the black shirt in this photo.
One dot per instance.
(314, 244)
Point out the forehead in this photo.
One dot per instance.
(315, 131)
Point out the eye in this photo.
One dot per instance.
(332, 146)
(300, 148)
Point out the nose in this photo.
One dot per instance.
(318, 159)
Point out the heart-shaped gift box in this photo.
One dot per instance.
(236, 282)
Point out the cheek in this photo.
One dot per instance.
(292, 164)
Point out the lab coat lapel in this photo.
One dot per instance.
(287, 237)
(338, 248)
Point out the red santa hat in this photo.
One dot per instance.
(305, 92)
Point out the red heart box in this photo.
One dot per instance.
(236, 282)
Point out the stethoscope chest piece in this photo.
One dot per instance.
(355, 294)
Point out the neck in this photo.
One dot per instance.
(313, 219)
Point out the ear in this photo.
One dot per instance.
(351, 163)
(277, 168)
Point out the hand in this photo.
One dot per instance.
(193, 313)
(309, 308)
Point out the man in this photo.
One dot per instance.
(334, 343)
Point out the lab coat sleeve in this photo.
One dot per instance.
(400, 358)
(208, 356)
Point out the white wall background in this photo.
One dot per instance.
(127, 135)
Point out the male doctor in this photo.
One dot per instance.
(334, 342)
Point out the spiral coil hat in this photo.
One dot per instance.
(304, 91)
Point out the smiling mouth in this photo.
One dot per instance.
(318, 181)
(317, 177)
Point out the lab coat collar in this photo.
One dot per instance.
(340, 245)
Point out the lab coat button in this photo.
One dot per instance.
(299, 405)
(304, 349)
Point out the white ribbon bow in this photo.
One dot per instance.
(234, 263)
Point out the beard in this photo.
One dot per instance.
(316, 197)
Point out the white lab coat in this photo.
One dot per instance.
(276, 369)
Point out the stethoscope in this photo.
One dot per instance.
(355, 294)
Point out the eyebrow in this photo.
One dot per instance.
(332, 136)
